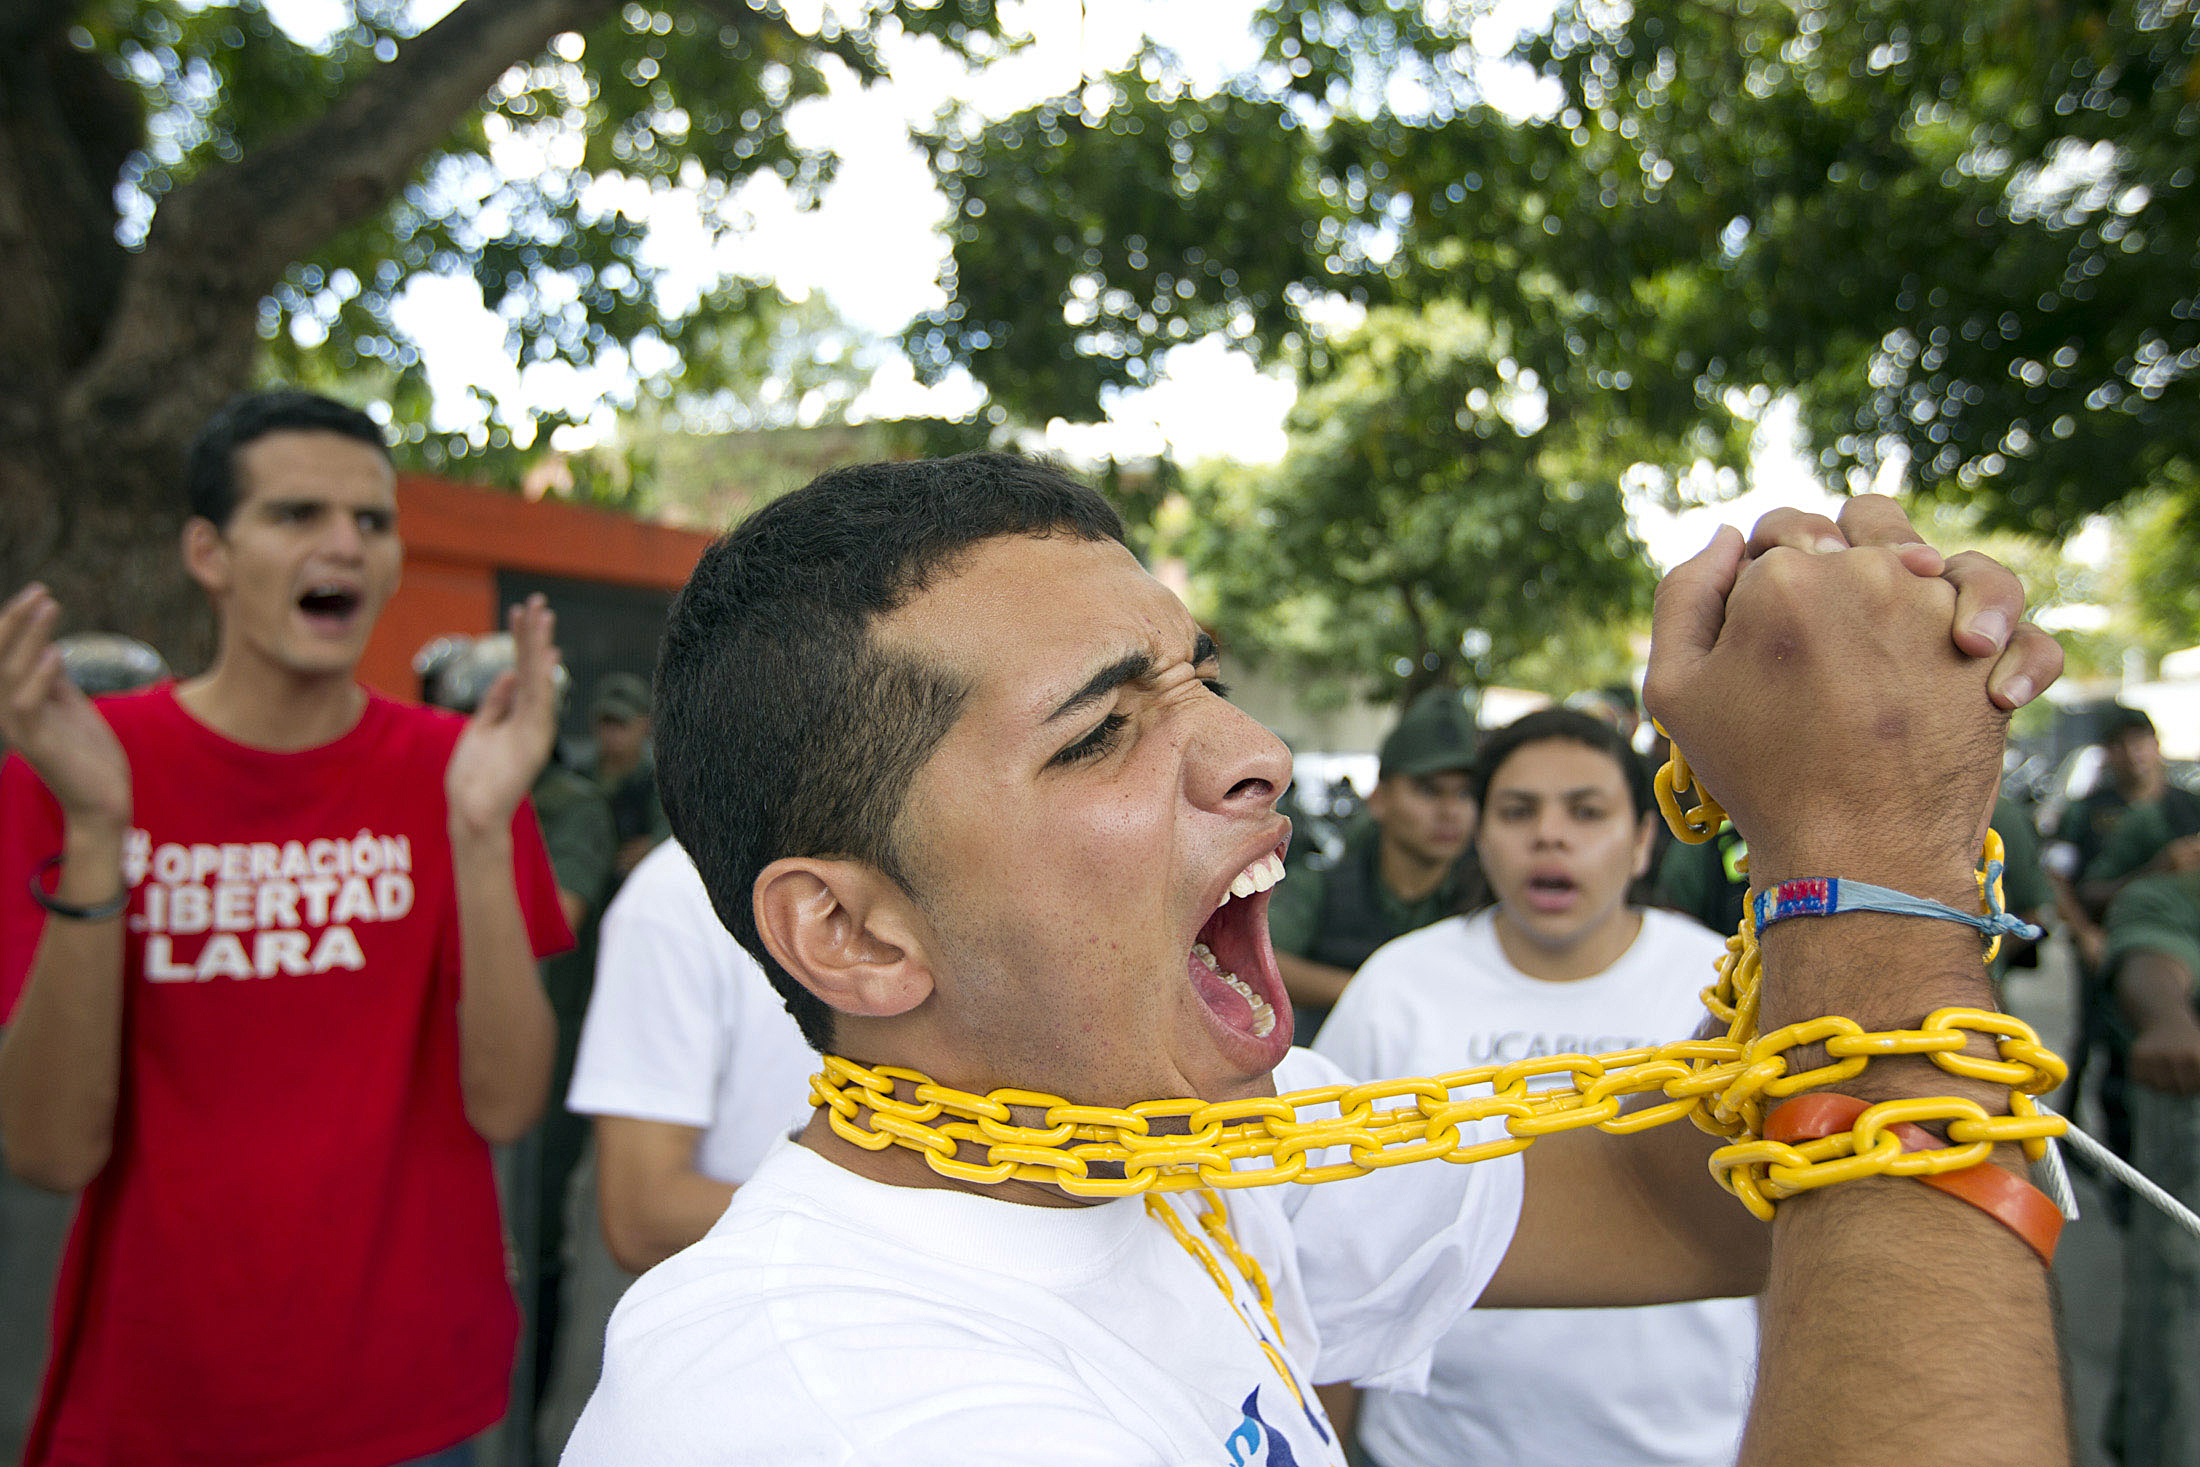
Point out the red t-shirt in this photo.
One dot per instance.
(293, 1255)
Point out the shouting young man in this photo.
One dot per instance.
(269, 940)
(961, 775)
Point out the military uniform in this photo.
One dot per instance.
(577, 829)
(1339, 916)
(2115, 839)
(1708, 881)
(2136, 834)
(2155, 1419)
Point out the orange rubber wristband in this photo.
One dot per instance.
(2007, 1198)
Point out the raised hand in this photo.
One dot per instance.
(53, 725)
(1988, 620)
(508, 739)
(1836, 701)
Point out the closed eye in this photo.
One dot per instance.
(1094, 744)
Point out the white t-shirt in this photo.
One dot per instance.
(684, 1027)
(1562, 1387)
(832, 1319)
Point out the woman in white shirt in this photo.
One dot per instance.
(1562, 960)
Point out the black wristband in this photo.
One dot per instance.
(113, 907)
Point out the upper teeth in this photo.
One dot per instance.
(1259, 876)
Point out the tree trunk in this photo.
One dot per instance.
(110, 360)
(111, 556)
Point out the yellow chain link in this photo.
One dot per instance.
(1724, 1085)
(1214, 1218)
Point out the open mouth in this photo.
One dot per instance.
(1233, 967)
(1551, 891)
(330, 604)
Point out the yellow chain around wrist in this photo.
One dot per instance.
(1724, 1085)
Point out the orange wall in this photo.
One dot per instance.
(457, 537)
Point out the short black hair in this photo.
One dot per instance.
(783, 727)
(1575, 728)
(2118, 719)
(210, 467)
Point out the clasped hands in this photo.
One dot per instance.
(1843, 689)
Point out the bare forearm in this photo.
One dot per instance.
(2067, 906)
(1902, 1325)
(646, 1225)
(1858, 1368)
(2154, 992)
(61, 1057)
(1309, 982)
(1670, 1171)
(507, 1034)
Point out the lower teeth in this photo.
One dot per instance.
(1264, 1017)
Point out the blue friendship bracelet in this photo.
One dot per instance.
(1826, 896)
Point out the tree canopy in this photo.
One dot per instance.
(189, 194)
(1431, 522)
(1964, 233)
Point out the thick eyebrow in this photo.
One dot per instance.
(1579, 792)
(1131, 667)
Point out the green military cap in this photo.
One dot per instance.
(1434, 735)
(621, 696)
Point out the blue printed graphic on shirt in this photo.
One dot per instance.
(1253, 1434)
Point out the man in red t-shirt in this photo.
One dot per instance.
(269, 944)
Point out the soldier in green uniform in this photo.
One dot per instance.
(2120, 828)
(625, 770)
(2153, 960)
(577, 831)
(1410, 865)
(2133, 822)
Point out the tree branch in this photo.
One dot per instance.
(860, 58)
(220, 242)
(24, 23)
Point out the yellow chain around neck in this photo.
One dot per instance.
(1214, 1217)
(1724, 1085)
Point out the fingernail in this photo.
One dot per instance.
(2018, 690)
(1993, 626)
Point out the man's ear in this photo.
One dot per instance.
(1377, 801)
(1646, 841)
(847, 933)
(205, 553)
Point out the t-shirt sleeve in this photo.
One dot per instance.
(1391, 1260)
(1294, 911)
(2156, 914)
(537, 885)
(651, 1044)
(30, 832)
